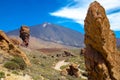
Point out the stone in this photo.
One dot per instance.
(101, 54)
(15, 41)
(7, 46)
(64, 72)
(67, 54)
(82, 51)
(24, 35)
(72, 70)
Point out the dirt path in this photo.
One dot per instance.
(59, 64)
(62, 63)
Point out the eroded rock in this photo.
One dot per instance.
(24, 35)
(15, 41)
(7, 46)
(72, 70)
(101, 55)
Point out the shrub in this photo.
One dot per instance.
(15, 63)
(2, 74)
(11, 65)
(8, 74)
(20, 62)
(15, 72)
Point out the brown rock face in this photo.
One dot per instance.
(24, 35)
(15, 41)
(7, 46)
(102, 59)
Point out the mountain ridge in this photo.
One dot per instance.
(59, 33)
(55, 33)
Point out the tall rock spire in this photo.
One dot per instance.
(101, 56)
(24, 35)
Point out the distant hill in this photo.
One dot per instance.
(55, 33)
(118, 37)
(118, 42)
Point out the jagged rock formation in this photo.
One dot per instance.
(102, 58)
(7, 46)
(24, 35)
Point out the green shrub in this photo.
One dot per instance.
(15, 63)
(15, 72)
(20, 62)
(2, 74)
(11, 65)
(8, 74)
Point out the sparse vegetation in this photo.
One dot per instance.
(20, 62)
(11, 65)
(77, 59)
(15, 72)
(8, 74)
(42, 65)
(15, 63)
(63, 67)
(2, 75)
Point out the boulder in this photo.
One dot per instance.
(7, 46)
(82, 51)
(72, 70)
(101, 55)
(67, 54)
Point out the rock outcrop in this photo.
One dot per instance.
(24, 35)
(7, 46)
(15, 41)
(102, 58)
(67, 54)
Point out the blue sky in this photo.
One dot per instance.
(68, 13)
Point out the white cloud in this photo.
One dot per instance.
(76, 14)
(115, 21)
(109, 4)
(78, 11)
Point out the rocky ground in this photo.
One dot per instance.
(46, 66)
(20, 63)
(100, 56)
(49, 66)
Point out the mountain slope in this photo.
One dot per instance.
(54, 33)
(118, 41)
